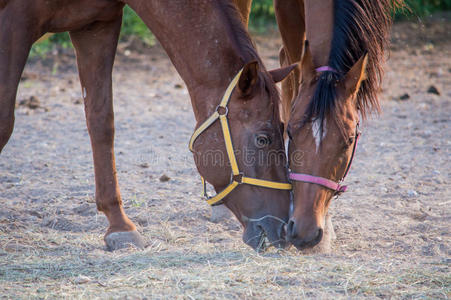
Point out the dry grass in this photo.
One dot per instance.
(72, 265)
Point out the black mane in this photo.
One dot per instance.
(360, 26)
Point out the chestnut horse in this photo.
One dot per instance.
(338, 81)
(341, 74)
(208, 45)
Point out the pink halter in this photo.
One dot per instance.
(320, 181)
(327, 183)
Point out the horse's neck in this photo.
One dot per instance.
(319, 21)
(197, 38)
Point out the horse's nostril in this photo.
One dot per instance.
(291, 229)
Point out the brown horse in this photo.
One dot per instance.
(341, 72)
(208, 45)
(339, 79)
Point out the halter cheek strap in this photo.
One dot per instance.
(237, 177)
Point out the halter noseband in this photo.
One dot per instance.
(327, 183)
(237, 177)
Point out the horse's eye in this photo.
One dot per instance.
(350, 141)
(262, 140)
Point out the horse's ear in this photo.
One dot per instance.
(280, 74)
(248, 78)
(356, 75)
(307, 67)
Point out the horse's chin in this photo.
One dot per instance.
(309, 245)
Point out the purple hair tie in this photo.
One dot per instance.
(326, 68)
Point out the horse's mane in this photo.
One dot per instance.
(243, 45)
(237, 33)
(360, 26)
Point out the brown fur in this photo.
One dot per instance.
(208, 44)
(244, 6)
(3, 3)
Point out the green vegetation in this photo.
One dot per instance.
(420, 8)
(263, 10)
(132, 25)
(262, 17)
(46, 45)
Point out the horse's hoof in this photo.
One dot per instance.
(220, 213)
(119, 240)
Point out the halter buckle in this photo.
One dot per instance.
(357, 129)
(341, 188)
(338, 192)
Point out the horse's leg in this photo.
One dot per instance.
(244, 6)
(329, 228)
(95, 46)
(15, 44)
(288, 85)
(291, 21)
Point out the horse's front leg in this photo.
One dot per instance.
(290, 15)
(16, 38)
(95, 46)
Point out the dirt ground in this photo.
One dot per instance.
(392, 227)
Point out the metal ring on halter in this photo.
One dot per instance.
(237, 178)
(223, 107)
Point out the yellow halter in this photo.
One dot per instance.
(237, 177)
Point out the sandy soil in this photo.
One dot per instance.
(392, 227)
